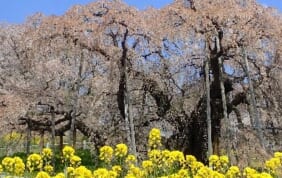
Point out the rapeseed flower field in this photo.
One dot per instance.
(116, 162)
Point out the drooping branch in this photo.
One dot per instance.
(254, 113)
(207, 87)
(94, 135)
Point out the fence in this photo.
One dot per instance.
(36, 148)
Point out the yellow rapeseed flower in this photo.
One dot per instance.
(19, 166)
(75, 161)
(177, 157)
(101, 173)
(196, 166)
(190, 159)
(264, 175)
(82, 172)
(273, 164)
(233, 172)
(47, 154)
(130, 160)
(278, 155)
(42, 174)
(154, 138)
(106, 153)
(213, 160)
(8, 164)
(34, 162)
(216, 174)
(49, 169)
(249, 172)
(155, 156)
(183, 173)
(117, 169)
(113, 174)
(68, 152)
(224, 160)
(121, 150)
(148, 166)
(203, 172)
(135, 171)
(60, 175)
(13, 166)
(165, 159)
(70, 171)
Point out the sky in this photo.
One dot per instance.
(16, 11)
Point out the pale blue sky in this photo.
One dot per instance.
(16, 11)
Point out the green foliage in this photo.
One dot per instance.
(59, 166)
(22, 155)
(88, 159)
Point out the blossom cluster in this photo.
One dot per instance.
(13, 166)
(121, 150)
(34, 162)
(47, 154)
(154, 138)
(106, 153)
(69, 157)
(68, 152)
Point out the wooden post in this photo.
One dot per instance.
(28, 137)
(61, 142)
(53, 134)
(53, 129)
(41, 144)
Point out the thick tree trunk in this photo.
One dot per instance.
(207, 79)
